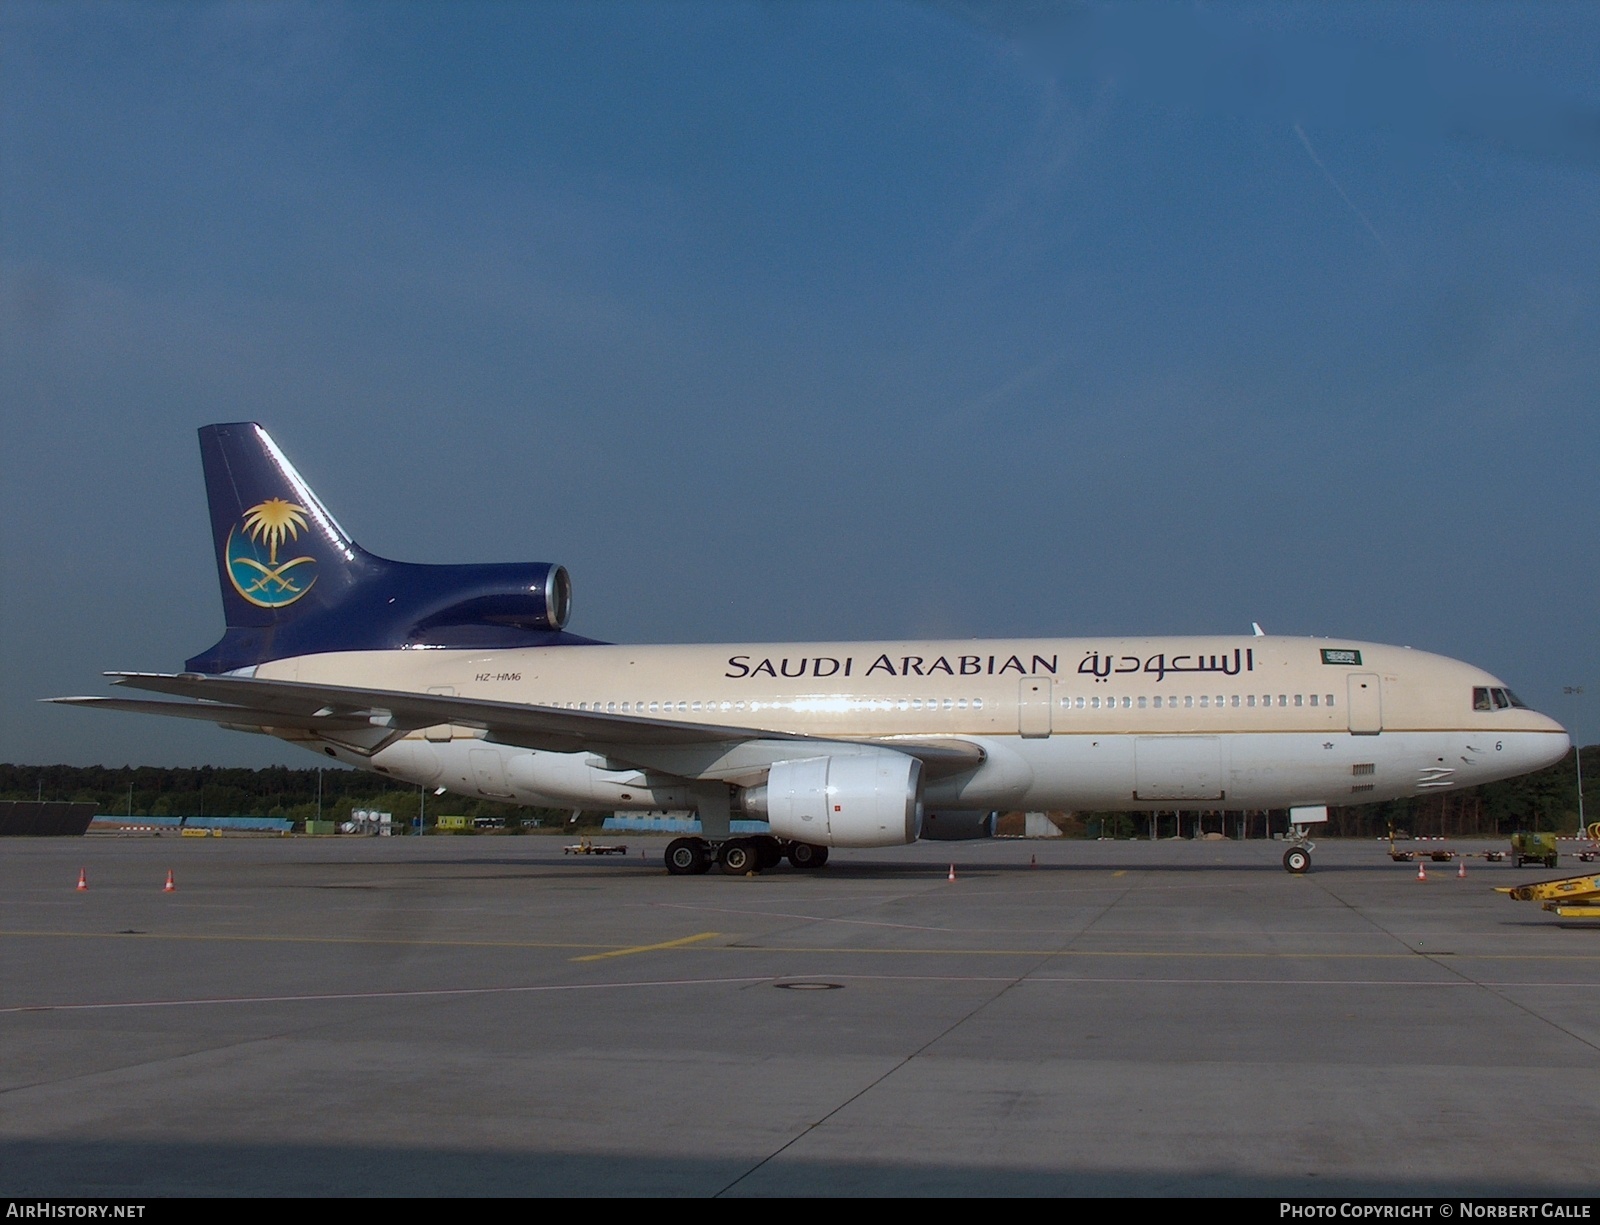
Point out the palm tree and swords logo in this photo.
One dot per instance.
(265, 581)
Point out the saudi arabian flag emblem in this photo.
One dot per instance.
(253, 565)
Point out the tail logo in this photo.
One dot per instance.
(253, 565)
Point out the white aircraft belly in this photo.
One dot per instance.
(1065, 772)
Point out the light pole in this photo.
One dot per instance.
(1577, 756)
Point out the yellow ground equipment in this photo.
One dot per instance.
(1572, 897)
(587, 847)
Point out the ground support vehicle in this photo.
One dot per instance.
(1529, 848)
(586, 847)
(1572, 897)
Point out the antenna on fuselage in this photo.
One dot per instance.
(1259, 632)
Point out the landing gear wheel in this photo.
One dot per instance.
(769, 852)
(686, 857)
(804, 856)
(739, 856)
(1296, 859)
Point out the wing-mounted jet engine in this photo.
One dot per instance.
(872, 799)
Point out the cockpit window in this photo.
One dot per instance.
(1485, 698)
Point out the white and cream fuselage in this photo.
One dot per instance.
(1136, 724)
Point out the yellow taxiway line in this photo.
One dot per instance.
(650, 948)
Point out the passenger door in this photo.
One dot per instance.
(1366, 703)
(1035, 695)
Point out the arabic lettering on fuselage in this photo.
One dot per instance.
(1103, 667)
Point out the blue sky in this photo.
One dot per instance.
(810, 320)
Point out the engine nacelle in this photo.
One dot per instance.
(867, 799)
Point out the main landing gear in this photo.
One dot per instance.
(740, 856)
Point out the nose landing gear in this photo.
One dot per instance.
(1297, 858)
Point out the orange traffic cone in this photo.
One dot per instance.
(1422, 870)
(169, 887)
(83, 880)
(1461, 869)
(952, 875)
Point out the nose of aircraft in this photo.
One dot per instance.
(1546, 747)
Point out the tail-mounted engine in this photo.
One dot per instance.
(295, 583)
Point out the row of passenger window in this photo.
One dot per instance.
(667, 708)
(1189, 701)
(1204, 701)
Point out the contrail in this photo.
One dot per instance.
(1343, 195)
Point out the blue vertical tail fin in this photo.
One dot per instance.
(276, 543)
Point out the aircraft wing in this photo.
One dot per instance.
(221, 712)
(373, 718)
